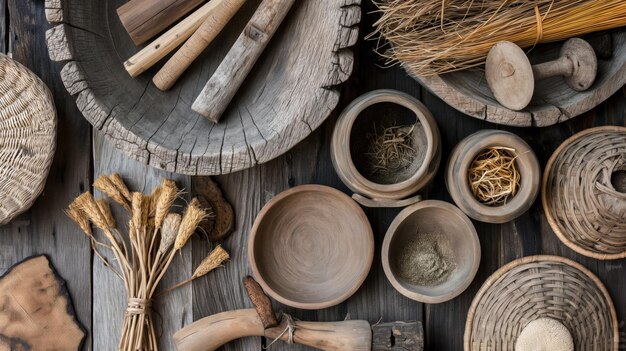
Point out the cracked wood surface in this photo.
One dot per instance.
(291, 91)
(45, 229)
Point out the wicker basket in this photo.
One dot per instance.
(541, 287)
(583, 206)
(27, 137)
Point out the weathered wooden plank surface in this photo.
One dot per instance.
(45, 229)
(171, 311)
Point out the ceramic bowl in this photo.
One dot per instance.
(311, 247)
(441, 218)
(349, 147)
(458, 166)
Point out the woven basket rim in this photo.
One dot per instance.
(544, 194)
(532, 259)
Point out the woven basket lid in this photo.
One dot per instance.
(582, 205)
(541, 287)
(27, 137)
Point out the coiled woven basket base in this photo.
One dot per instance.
(581, 203)
(27, 137)
(541, 287)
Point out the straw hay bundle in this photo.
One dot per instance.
(438, 36)
(144, 254)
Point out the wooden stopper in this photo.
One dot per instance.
(221, 88)
(210, 28)
(143, 19)
(170, 40)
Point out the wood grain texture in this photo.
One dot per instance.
(554, 100)
(45, 228)
(143, 19)
(158, 129)
(172, 310)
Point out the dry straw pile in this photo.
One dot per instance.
(144, 254)
(438, 36)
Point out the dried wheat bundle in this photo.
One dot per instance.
(438, 36)
(144, 254)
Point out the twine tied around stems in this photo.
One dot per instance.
(290, 328)
(137, 306)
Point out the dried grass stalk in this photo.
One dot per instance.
(493, 176)
(214, 260)
(391, 149)
(434, 36)
(144, 255)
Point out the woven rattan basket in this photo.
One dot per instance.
(27, 137)
(541, 287)
(582, 201)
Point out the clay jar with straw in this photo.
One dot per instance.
(386, 147)
(493, 176)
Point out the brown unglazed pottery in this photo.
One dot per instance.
(311, 247)
(442, 218)
(348, 139)
(461, 159)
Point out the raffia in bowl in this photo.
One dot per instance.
(583, 207)
(27, 137)
(541, 287)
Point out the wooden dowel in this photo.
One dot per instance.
(210, 28)
(143, 19)
(169, 41)
(221, 88)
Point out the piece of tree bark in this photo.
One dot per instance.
(36, 312)
(261, 302)
(210, 196)
(143, 19)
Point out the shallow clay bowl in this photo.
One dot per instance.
(433, 216)
(311, 247)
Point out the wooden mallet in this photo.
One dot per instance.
(210, 28)
(511, 77)
(221, 88)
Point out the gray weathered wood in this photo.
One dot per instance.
(278, 105)
(171, 311)
(235, 67)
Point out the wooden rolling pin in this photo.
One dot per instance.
(143, 19)
(210, 28)
(221, 88)
(170, 40)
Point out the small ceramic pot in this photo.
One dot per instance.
(344, 144)
(461, 159)
(440, 218)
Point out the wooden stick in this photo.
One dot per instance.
(221, 88)
(210, 28)
(143, 19)
(169, 41)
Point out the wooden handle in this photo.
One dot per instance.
(210, 28)
(170, 40)
(211, 332)
(221, 88)
(143, 19)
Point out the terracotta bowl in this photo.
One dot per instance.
(433, 216)
(311, 247)
(460, 161)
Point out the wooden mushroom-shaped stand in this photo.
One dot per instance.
(36, 312)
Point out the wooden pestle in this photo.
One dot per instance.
(211, 332)
(210, 28)
(222, 86)
(143, 19)
(170, 40)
